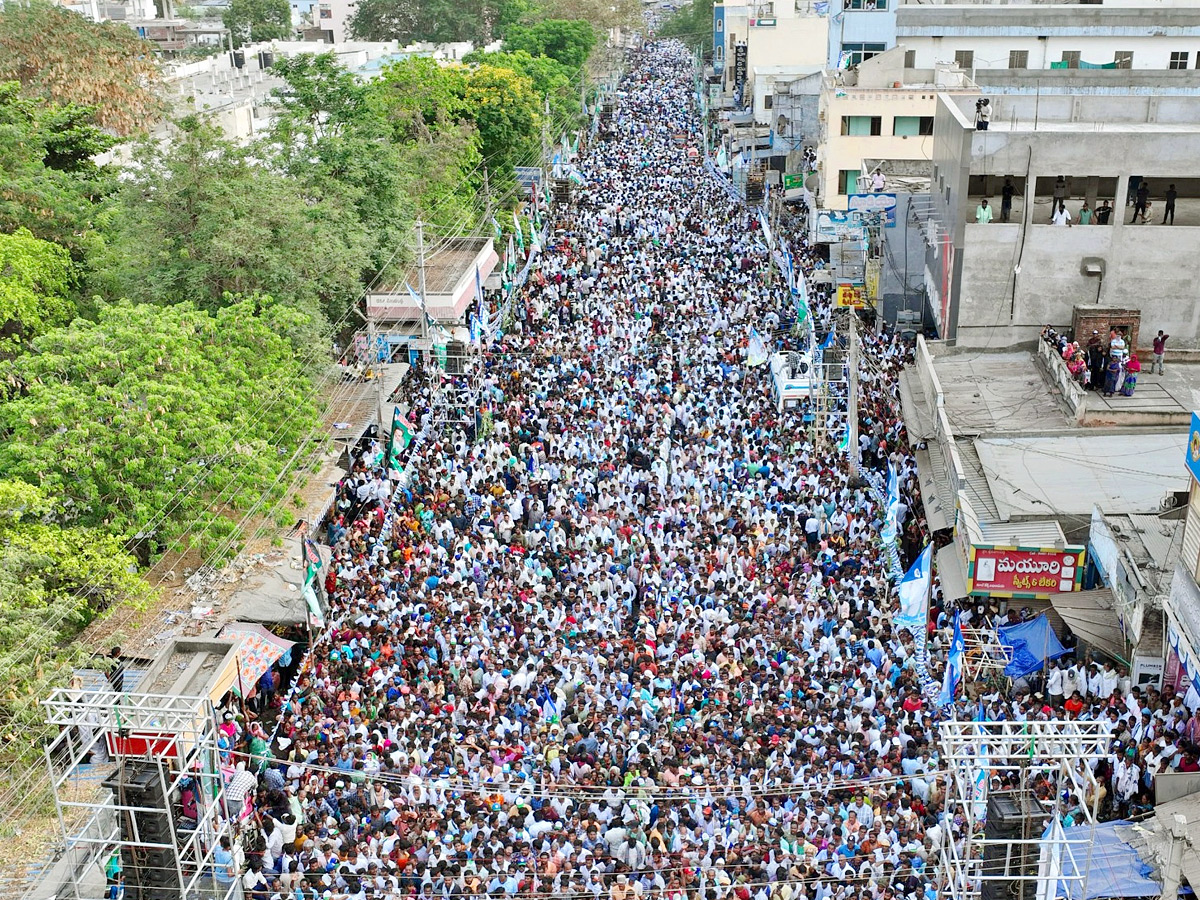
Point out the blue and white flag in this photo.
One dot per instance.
(954, 663)
(914, 594)
(756, 353)
(891, 511)
(480, 310)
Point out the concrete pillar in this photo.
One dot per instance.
(1119, 201)
(1092, 191)
(1030, 210)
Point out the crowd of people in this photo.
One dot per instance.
(631, 636)
(1108, 366)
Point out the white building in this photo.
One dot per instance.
(880, 112)
(980, 36)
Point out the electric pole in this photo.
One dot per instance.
(852, 394)
(420, 226)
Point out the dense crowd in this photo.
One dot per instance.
(633, 638)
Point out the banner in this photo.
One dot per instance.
(1024, 572)
(851, 296)
(875, 203)
(756, 353)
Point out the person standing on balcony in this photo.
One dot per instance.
(983, 213)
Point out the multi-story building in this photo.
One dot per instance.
(880, 115)
(1098, 140)
(978, 37)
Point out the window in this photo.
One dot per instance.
(1018, 59)
(855, 53)
(862, 126)
(848, 181)
(1179, 59)
(910, 59)
(964, 59)
(910, 126)
(1071, 58)
(326, 12)
(768, 101)
(1123, 59)
(865, 4)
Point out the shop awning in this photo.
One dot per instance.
(935, 490)
(1091, 616)
(952, 573)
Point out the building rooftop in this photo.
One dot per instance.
(946, 20)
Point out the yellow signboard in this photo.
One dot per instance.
(851, 295)
(872, 279)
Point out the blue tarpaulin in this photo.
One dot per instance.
(1116, 869)
(1032, 643)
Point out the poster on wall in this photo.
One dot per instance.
(838, 226)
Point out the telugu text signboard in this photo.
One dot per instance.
(850, 296)
(1024, 572)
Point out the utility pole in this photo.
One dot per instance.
(852, 395)
(420, 226)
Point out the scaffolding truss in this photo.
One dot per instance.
(984, 656)
(1010, 784)
(137, 778)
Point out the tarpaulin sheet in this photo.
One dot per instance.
(1116, 869)
(1032, 643)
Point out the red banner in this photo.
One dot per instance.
(1024, 572)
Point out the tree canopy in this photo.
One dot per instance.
(155, 408)
(251, 21)
(200, 220)
(569, 41)
(34, 284)
(60, 56)
(53, 580)
(48, 182)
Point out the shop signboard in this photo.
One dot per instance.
(719, 38)
(740, 60)
(851, 296)
(1024, 572)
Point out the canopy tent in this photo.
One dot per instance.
(1091, 617)
(258, 650)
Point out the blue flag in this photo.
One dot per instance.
(954, 660)
(914, 594)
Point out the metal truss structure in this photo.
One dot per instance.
(984, 656)
(1008, 784)
(121, 766)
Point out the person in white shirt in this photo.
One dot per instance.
(1061, 216)
(1054, 684)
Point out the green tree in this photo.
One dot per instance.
(48, 182)
(60, 56)
(418, 95)
(201, 220)
(251, 21)
(505, 109)
(328, 137)
(570, 41)
(692, 24)
(35, 278)
(53, 581)
(155, 408)
(406, 21)
(551, 80)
